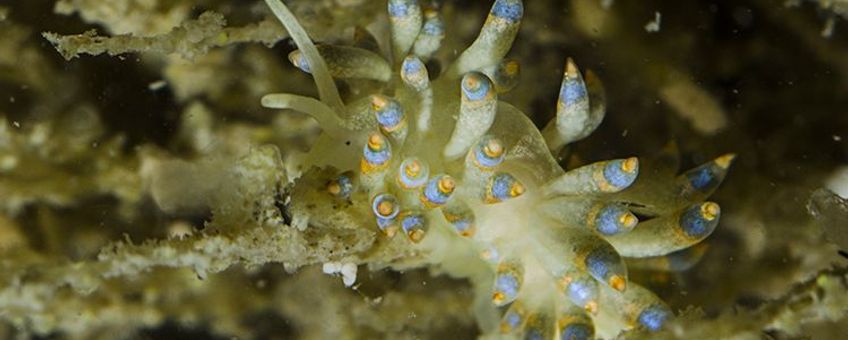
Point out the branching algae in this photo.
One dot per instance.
(441, 166)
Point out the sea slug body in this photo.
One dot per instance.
(439, 158)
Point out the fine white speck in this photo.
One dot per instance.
(654, 26)
(348, 271)
(838, 182)
(156, 85)
(330, 268)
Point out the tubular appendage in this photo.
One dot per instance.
(391, 117)
(604, 218)
(478, 107)
(374, 164)
(502, 186)
(386, 209)
(666, 234)
(508, 280)
(414, 74)
(574, 324)
(327, 119)
(700, 182)
(603, 263)
(412, 173)
(581, 290)
(580, 108)
(415, 225)
(432, 33)
(539, 325)
(600, 177)
(438, 190)
(513, 320)
(481, 161)
(406, 19)
(327, 90)
(587, 253)
(342, 186)
(345, 62)
(678, 261)
(638, 307)
(495, 39)
(459, 215)
(656, 194)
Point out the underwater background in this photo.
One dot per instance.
(139, 172)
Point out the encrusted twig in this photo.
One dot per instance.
(192, 38)
(28, 291)
(823, 297)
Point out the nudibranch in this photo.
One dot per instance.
(441, 161)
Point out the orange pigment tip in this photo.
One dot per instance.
(618, 283)
(630, 165)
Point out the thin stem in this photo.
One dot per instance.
(327, 90)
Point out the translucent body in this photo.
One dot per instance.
(473, 175)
